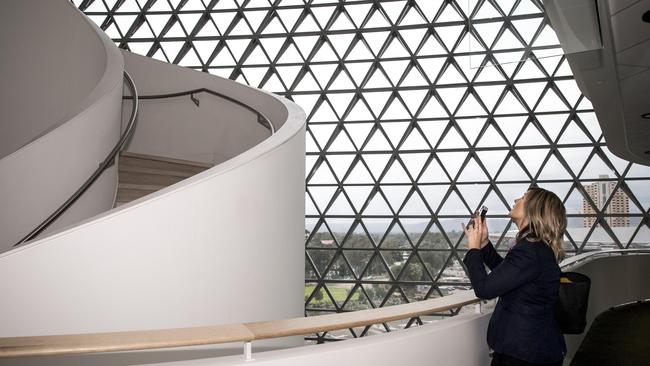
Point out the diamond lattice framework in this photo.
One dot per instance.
(418, 113)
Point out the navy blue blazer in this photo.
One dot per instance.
(527, 282)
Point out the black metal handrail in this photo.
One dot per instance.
(263, 120)
(100, 169)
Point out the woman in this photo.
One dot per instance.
(523, 329)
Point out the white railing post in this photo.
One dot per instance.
(248, 351)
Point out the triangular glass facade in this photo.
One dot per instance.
(419, 111)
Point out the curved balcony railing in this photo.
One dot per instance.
(262, 118)
(248, 332)
(581, 259)
(108, 161)
(244, 332)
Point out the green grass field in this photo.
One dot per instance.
(339, 294)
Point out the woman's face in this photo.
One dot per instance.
(517, 213)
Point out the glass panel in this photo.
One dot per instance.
(492, 29)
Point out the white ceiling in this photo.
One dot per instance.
(616, 78)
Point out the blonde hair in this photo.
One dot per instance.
(546, 220)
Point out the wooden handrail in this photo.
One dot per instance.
(244, 332)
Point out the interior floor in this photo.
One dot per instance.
(619, 336)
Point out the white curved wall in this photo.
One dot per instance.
(37, 178)
(48, 70)
(220, 247)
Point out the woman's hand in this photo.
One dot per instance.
(485, 233)
(477, 234)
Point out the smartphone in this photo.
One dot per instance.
(482, 211)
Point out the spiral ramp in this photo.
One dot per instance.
(206, 232)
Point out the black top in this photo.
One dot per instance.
(527, 282)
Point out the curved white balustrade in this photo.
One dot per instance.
(456, 341)
(61, 97)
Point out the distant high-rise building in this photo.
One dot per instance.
(599, 192)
